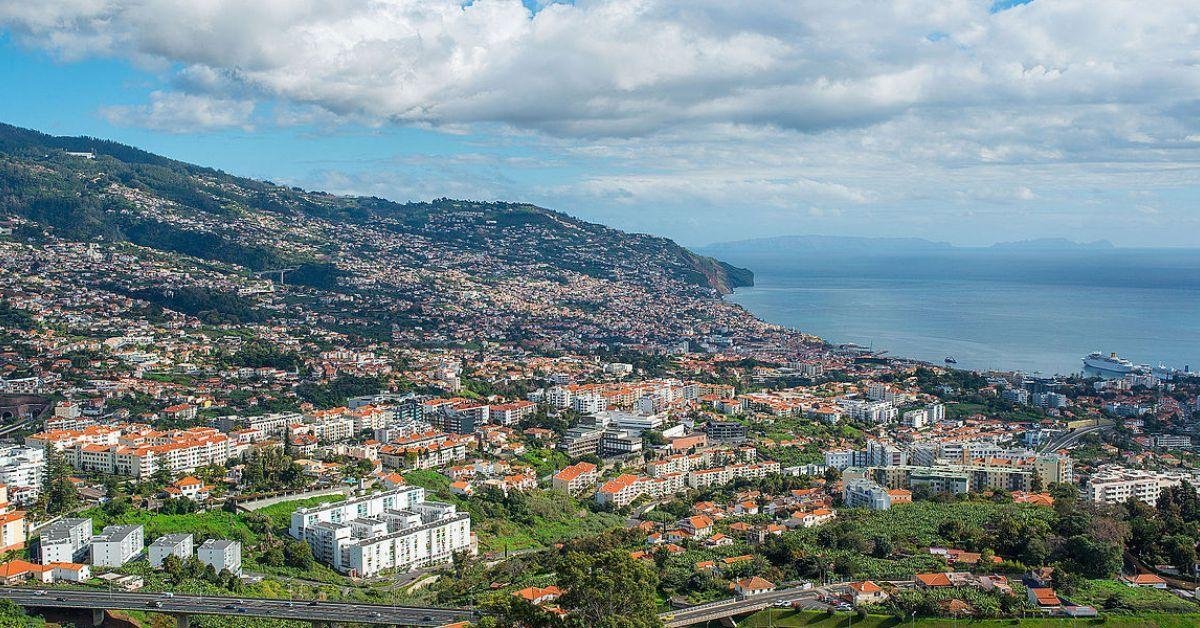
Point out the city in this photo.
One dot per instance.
(599, 314)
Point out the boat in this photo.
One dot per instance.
(1107, 365)
(951, 360)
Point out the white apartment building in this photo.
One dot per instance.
(1117, 485)
(559, 396)
(870, 411)
(117, 545)
(221, 554)
(66, 541)
(179, 545)
(395, 529)
(724, 475)
(23, 470)
(865, 493)
(588, 404)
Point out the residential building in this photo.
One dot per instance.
(1116, 485)
(396, 529)
(575, 478)
(179, 545)
(726, 432)
(117, 545)
(66, 541)
(221, 554)
(23, 470)
(865, 493)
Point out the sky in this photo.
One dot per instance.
(968, 121)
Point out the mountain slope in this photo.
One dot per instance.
(441, 271)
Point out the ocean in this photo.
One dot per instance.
(1028, 310)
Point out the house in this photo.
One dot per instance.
(70, 572)
(866, 592)
(539, 595)
(698, 526)
(718, 540)
(18, 571)
(189, 487)
(221, 554)
(933, 580)
(754, 585)
(1147, 580)
(462, 487)
(1043, 597)
(391, 480)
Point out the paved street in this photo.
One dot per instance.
(250, 607)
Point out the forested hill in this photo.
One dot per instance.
(440, 265)
(86, 198)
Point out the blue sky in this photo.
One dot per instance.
(970, 121)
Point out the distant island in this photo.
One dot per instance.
(823, 244)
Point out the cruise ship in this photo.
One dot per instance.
(1107, 365)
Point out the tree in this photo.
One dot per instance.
(608, 590)
(59, 494)
(297, 554)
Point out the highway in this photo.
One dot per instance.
(733, 607)
(1069, 439)
(239, 607)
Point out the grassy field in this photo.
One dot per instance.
(281, 513)
(815, 619)
(213, 523)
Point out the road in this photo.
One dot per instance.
(729, 608)
(1069, 439)
(243, 607)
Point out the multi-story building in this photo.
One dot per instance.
(23, 471)
(864, 493)
(575, 478)
(510, 413)
(418, 452)
(12, 524)
(1117, 485)
(179, 545)
(66, 541)
(395, 529)
(869, 411)
(581, 440)
(726, 431)
(618, 442)
(625, 489)
(117, 545)
(702, 478)
(221, 554)
(137, 450)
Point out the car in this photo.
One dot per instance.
(60, 599)
(290, 605)
(241, 609)
(39, 592)
(314, 603)
(376, 614)
(154, 604)
(230, 607)
(427, 618)
(168, 594)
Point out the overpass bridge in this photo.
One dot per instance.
(183, 607)
(726, 609)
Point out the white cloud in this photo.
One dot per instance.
(175, 112)
(864, 109)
